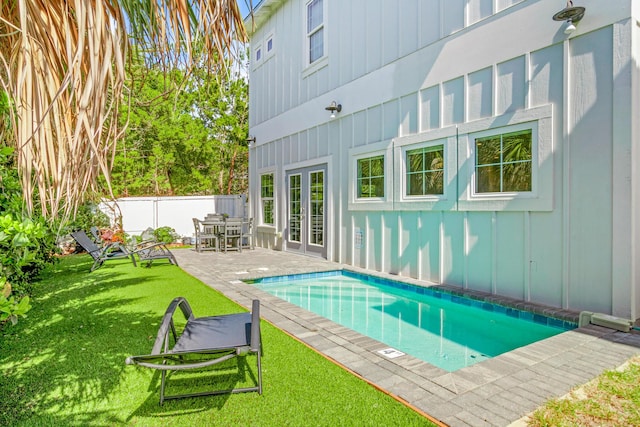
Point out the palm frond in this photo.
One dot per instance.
(63, 65)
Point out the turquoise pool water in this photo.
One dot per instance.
(445, 330)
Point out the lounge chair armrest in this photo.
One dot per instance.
(151, 246)
(255, 326)
(167, 322)
(146, 361)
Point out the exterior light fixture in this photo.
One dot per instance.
(571, 14)
(334, 108)
(250, 140)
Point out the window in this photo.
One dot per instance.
(295, 208)
(315, 30)
(371, 177)
(425, 171)
(503, 162)
(258, 54)
(270, 45)
(507, 163)
(266, 196)
(316, 205)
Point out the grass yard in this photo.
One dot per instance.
(612, 399)
(64, 363)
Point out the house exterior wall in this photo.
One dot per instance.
(442, 72)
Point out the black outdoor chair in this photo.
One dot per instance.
(150, 250)
(101, 254)
(203, 342)
(96, 235)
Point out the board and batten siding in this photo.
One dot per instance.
(441, 70)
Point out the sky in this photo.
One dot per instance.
(244, 6)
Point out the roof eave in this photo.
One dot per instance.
(261, 13)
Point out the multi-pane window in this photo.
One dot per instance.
(503, 162)
(295, 208)
(425, 171)
(315, 30)
(266, 196)
(371, 177)
(316, 202)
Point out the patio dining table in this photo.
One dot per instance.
(226, 233)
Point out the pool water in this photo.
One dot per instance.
(445, 330)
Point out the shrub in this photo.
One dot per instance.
(10, 309)
(89, 215)
(27, 245)
(165, 234)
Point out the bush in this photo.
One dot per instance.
(165, 234)
(27, 245)
(10, 309)
(89, 215)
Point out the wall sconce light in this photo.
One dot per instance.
(570, 14)
(334, 108)
(251, 140)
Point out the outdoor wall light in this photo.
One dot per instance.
(250, 140)
(570, 14)
(334, 108)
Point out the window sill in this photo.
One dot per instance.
(266, 229)
(315, 66)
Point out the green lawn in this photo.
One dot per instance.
(64, 363)
(611, 399)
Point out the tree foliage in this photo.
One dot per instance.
(63, 64)
(182, 140)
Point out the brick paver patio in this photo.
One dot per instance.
(495, 392)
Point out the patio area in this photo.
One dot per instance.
(498, 392)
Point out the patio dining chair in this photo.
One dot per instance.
(201, 343)
(233, 234)
(206, 237)
(247, 234)
(101, 254)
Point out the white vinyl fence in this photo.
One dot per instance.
(140, 213)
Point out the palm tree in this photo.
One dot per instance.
(63, 66)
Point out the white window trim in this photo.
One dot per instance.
(262, 45)
(533, 126)
(254, 51)
(312, 67)
(540, 198)
(445, 201)
(273, 172)
(324, 218)
(384, 149)
(267, 54)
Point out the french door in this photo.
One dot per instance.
(306, 211)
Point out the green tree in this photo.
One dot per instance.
(64, 65)
(182, 140)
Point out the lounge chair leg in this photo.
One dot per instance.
(259, 372)
(97, 264)
(162, 382)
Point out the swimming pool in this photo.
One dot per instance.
(443, 329)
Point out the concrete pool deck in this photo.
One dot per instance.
(495, 392)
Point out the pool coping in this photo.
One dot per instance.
(498, 391)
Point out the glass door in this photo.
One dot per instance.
(306, 211)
